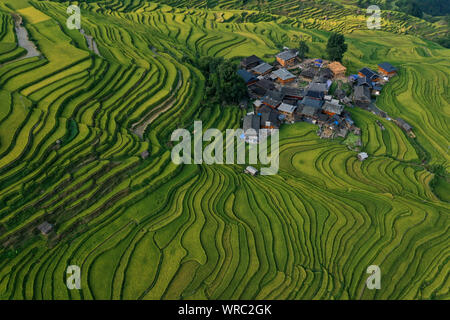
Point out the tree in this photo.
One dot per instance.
(231, 88)
(223, 84)
(415, 10)
(336, 47)
(303, 49)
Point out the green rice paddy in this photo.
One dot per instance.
(149, 229)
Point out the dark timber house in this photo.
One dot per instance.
(262, 69)
(405, 126)
(248, 77)
(251, 128)
(286, 58)
(308, 74)
(251, 62)
(272, 99)
(332, 108)
(269, 118)
(293, 93)
(361, 96)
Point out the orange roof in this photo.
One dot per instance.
(337, 67)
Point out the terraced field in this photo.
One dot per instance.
(149, 229)
(336, 15)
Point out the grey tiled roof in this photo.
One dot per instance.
(333, 108)
(284, 107)
(262, 68)
(312, 102)
(286, 55)
(283, 74)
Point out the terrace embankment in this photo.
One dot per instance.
(139, 127)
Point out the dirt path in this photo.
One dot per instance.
(139, 127)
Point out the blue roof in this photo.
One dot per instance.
(247, 76)
(370, 74)
(319, 60)
(364, 81)
(387, 66)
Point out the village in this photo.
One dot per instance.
(313, 90)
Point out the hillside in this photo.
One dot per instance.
(149, 229)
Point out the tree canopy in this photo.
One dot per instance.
(336, 47)
(303, 49)
(223, 84)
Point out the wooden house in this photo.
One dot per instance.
(286, 58)
(251, 62)
(293, 93)
(310, 107)
(272, 98)
(405, 126)
(364, 81)
(318, 87)
(283, 76)
(361, 96)
(265, 84)
(371, 75)
(338, 69)
(325, 74)
(269, 118)
(251, 128)
(256, 92)
(332, 108)
(262, 69)
(287, 110)
(387, 69)
(308, 74)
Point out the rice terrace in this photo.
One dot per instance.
(87, 117)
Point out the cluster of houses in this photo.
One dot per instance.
(368, 83)
(291, 90)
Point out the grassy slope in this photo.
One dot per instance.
(149, 229)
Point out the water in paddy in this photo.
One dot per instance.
(24, 41)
